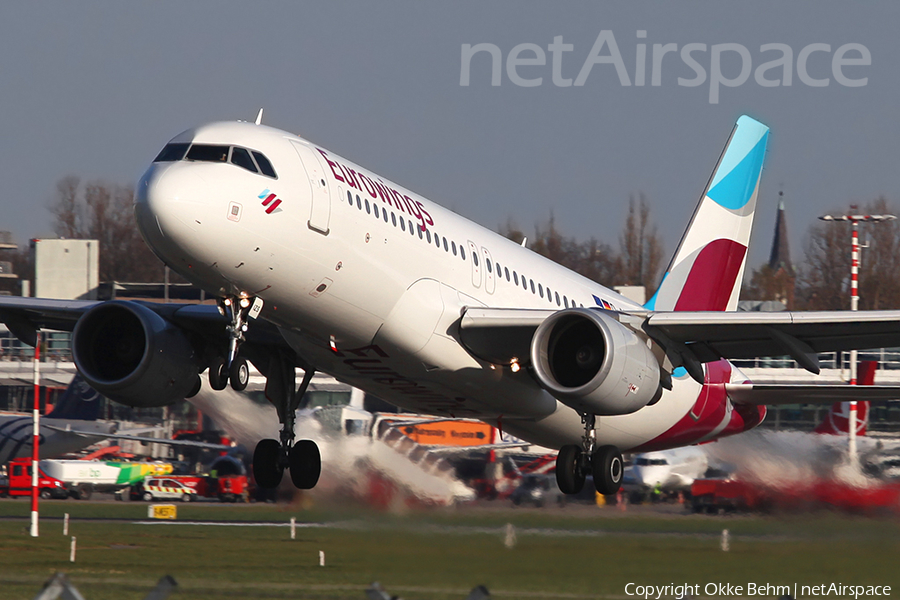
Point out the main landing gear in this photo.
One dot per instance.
(574, 463)
(271, 457)
(233, 368)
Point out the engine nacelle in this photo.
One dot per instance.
(132, 355)
(593, 363)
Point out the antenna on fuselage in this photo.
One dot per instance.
(259, 117)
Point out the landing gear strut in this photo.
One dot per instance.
(271, 457)
(574, 463)
(233, 368)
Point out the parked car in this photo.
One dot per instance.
(163, 488)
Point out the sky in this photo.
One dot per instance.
(95, 89)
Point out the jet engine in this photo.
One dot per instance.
(132, 355)
(593, 363)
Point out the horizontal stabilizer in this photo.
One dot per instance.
(775, 394)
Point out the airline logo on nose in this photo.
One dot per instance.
(269, 200)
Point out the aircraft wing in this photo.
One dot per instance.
(774, 394)
(143, 440)
(24, 316)
(500, 335)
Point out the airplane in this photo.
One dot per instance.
(71, 426)
(320, 264)
(77, 408)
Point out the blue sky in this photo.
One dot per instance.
(95, 89)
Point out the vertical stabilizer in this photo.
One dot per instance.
(706, 271)
(837, 421)
(80, 402)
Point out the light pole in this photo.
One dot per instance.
(854, 220)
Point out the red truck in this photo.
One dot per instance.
(18, 481)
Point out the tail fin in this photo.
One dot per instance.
(837, 421)
(79, 402)
(706, 271)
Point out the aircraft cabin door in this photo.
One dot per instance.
(320, 202)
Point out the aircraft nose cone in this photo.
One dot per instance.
(168, 200)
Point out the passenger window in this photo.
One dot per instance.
(428, 235)
(540, 291)
(446, 247)
(394, 219)
(402, 223)
(171, 153)
(506, 272)
(462, 252)
(453, 247)
(421, 233)
(384, 214)
(368, 208)
(531, 282)
(566, 302)
(241, 158)
(475, 258)
(487, 262)
(264, 165)
(375, 209)
(556, 295)
(410, 228)
(349, 197)
(516, 278)
(358, 202)
(206, 153)
(437, 240)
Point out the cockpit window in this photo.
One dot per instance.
(264, 165)
(208, 153)
(253, 161)
(171, 153)
(241, 158)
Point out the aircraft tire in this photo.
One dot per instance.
(607, 468)
(306, 464)
(218, 374)
(266, 470)
(569, 474)
(239, 374)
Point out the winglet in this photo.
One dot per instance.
(706, 271)
(259, 117)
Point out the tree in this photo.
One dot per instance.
(640, 248)
(104, 212)
(824, 279)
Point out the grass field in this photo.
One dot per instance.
(585, 553)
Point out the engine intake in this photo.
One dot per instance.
(593, 363)
(132, 355)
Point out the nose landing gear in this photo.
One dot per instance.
(574, 463)
(234, 368)
(271, 457)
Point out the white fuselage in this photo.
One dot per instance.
(361, 276)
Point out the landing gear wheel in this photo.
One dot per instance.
(266, 469)
(196, 388)
(607, 468)
(218, 375)
(569, 472)
(305, 464)
(239, 374)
